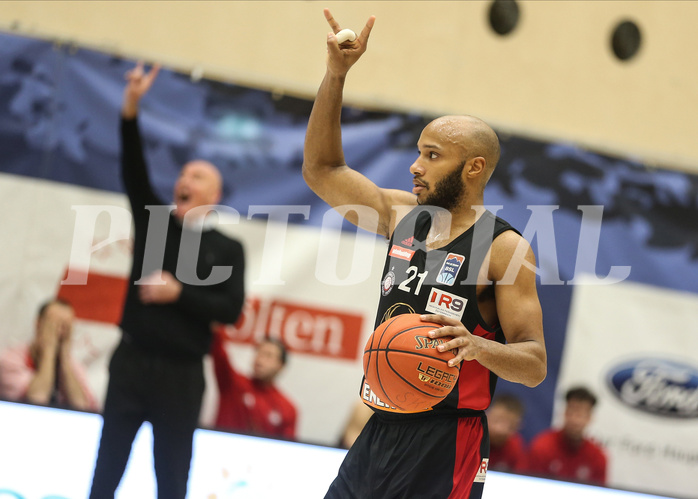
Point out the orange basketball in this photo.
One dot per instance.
(402, 367)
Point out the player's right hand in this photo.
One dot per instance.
(342, 57)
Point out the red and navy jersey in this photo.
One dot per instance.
(443, 281)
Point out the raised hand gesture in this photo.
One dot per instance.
(341, 57)
(138, 84)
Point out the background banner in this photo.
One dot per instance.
(634, 346)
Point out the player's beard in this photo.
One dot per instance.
(448, 191)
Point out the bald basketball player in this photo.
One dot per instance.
(452, 261)
(156, 372)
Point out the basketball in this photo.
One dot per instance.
(402, 367)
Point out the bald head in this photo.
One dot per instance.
(199, 184)
(472, 135)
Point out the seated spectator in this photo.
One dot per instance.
(44, 372)
(507, 448)
(566, 453)
(253, 405)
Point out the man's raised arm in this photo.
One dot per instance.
(324, 168)
(134, 171)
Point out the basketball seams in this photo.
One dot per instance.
(380, 382)
(404, 331)
(412, 354)
(371, 349)
(407, 331)
(386, 325)
(392, 370)
(416, 354)
(408, 382)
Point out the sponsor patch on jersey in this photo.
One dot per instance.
(402, 253)
(445, 303)
(397, 309)
(449, 270)
(482, 471)
(388, 283)
(408, 241)
(372, 399)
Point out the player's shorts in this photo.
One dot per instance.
(416, 456)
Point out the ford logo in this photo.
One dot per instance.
(658, 386)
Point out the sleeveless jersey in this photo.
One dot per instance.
(441, 281)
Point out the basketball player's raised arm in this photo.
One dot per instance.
(324, 168)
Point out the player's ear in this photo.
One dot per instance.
(476, 166)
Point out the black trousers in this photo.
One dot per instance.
(167, 393)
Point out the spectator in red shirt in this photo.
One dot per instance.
(253, 405)
(566, 453)
(507, 448)
(44, 371)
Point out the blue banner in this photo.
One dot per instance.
(59, 115)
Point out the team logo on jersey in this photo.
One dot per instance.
(482, 471)
(372, 399)
(397, 309)
(387, 283)
(449, 270)
(402, 253)
(445, 303)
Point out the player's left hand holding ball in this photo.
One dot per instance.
(465, 345)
